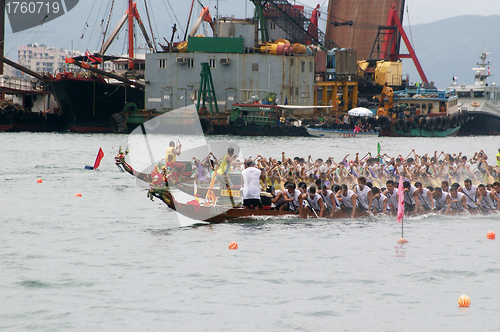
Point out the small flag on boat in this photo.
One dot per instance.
(401, 200)
(378, 149)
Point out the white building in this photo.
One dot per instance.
(41, 58)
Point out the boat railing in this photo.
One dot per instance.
(16, 83)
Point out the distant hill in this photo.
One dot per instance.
(451, 47)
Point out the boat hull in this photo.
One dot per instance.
(87, 105)
(33, 122)
(335, 133)
(480, 123)
(419, 132)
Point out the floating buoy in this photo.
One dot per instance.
(402, 240)
(40, 181)
(78, 195)
(233, 245)
(491, 235)
(463, 301)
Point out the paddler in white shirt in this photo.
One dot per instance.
(412, 203)
(457, 201)
(347, 199)
(392, 196)
(441, 199)
(365, 195)
(330, 200)
(471, 194)
(294, 199)
(379, 203)
(315, 202)
(424, 197)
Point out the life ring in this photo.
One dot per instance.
(400, 124)
(252, 126)
(334, 125)
(207, 126)
(407, 126)
(266, 129)
(384, 122)
(475, 104)
(118, 124)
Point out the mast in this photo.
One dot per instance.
(2, 33)
(130, 36)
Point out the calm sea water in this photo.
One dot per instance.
(113, 260)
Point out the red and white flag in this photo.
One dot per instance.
(100, 155)
(401, 200)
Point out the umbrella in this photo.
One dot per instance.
(360, 111)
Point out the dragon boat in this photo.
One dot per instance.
(207, 209)
(216, 205)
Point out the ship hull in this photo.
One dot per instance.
(480, 123)
(419, 132)
(87, 105)
(33, 122)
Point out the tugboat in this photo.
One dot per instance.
(421, 111)
(258, 119)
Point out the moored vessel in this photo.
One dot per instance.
(421, 111)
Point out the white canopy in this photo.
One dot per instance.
(360, 111)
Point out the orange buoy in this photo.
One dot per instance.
(78, 195)
(39, 180)
(402, 240)
(490, 235)
(233, 245)
(463, 301)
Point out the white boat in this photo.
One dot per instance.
(339, 133)
(471, 96)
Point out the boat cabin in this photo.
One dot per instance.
(429, 102)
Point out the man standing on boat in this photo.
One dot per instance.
(173, 150)
(225, 166)
(347, 122)
(251, 176)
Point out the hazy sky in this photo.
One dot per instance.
(425, 11)
(80, 26)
